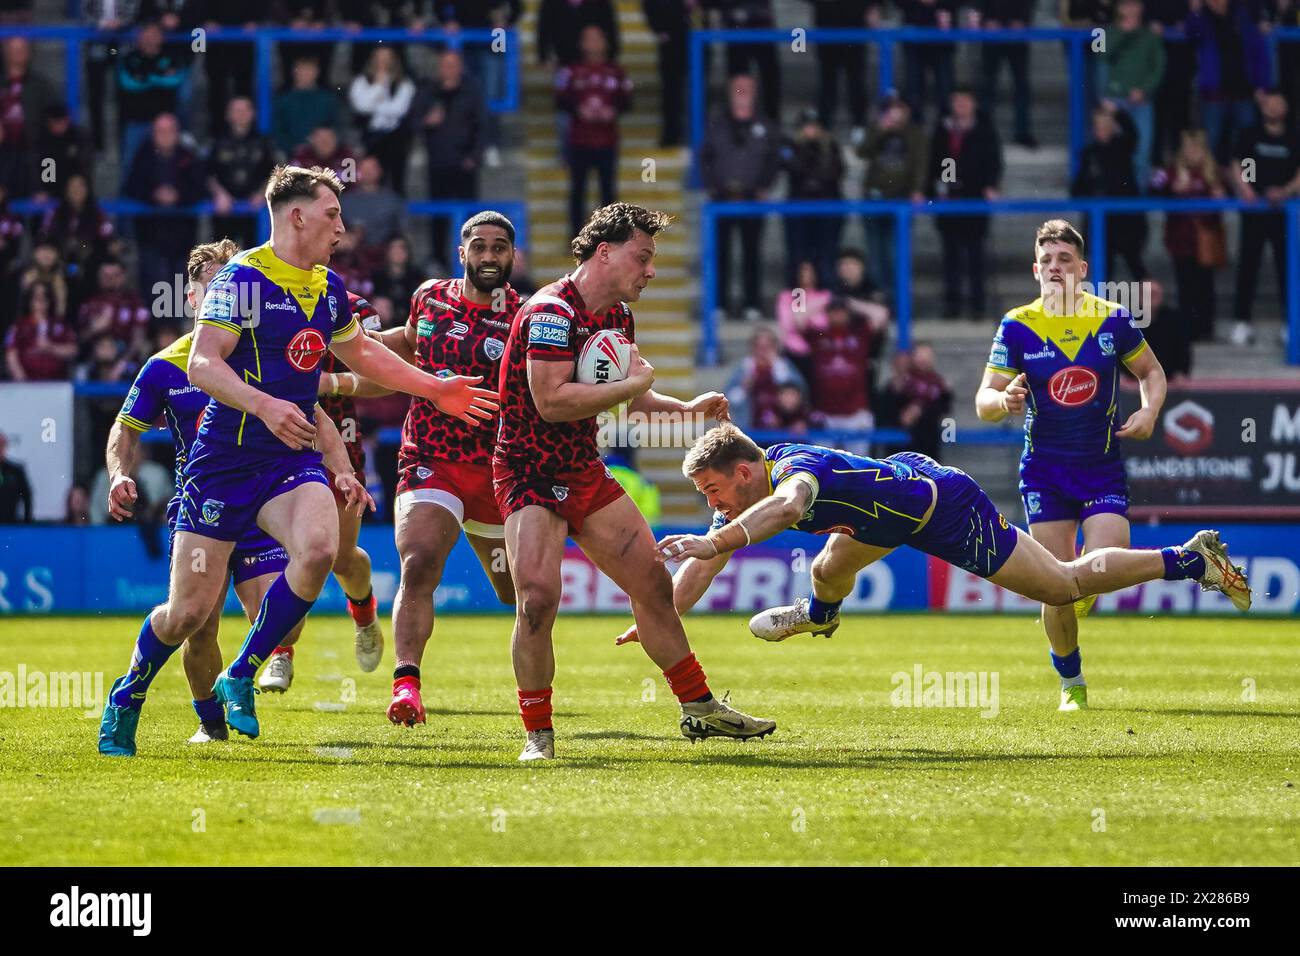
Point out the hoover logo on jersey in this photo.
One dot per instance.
(305, 350)
(1072, 386)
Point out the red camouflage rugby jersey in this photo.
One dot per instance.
(342, 409)
(552, 326)
(467, 339)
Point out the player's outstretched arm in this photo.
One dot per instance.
(209, 372)
(778, 511)
(350, 385)
(1000, 395)
(560, 399)
(334, 454)
(1151, 381)
(689, 584)
(121, 457)
(708, 405)
(456, 395)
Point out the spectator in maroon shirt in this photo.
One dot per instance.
(916, 399)
(594, 93)
(41, 346)
(755, 388)
(114, 311)
(840, 369)
(322, 149)
(78, 228)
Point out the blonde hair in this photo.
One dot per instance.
(1207, 167)
(209, 253)
(720, 449)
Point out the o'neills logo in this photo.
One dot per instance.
(305, 350)
(1075, 385)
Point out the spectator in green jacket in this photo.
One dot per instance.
(1133, 65)
(304, 108)
(897, 153)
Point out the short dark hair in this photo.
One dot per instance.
(1057, 230)
(488, 217)
(288, 183)
(616, 223)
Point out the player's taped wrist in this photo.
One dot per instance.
(717, 538)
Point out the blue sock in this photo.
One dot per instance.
(822, 611)
(1070, 666)
(281, 610)
(1181, 564)
(210, 711)
(147, 659)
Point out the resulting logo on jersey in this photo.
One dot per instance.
(1075, 385)
(1107, 342)
(280, 306)
(1045, 352)
(423, 473)
(560, 492)
(494, 348)
(212, 510)
(1189, 428)
(548, 329)
(305, 350)
(1033, 502)
(457, 330)
(218, 304)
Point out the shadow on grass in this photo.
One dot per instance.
(750, 755)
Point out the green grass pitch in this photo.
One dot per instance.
(1191, 754)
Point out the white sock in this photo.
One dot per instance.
(1075, 681)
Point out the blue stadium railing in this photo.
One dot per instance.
(904, 213)
(457, 210)
(264, 40)
(833, 438)
(885, 42)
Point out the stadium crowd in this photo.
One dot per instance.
(1183, 93)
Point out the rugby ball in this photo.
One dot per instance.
(606, 357)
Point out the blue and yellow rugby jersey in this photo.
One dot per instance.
(163, 388)
(878, 502)
(285, 318)
(1072, 369)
